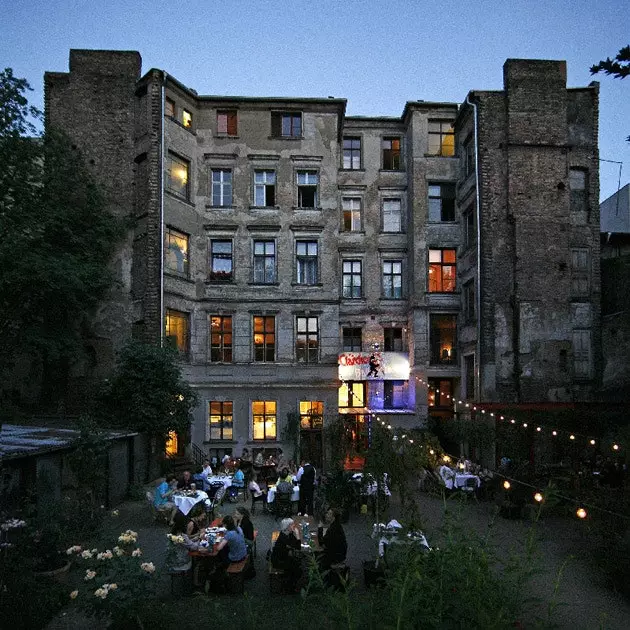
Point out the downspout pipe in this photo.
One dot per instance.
(478, 388)
(161, 188)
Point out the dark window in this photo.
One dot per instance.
(221, 338)
(286, 124)
(442, 270)
(392, 279)
(469, 367)
(439, 391)
(470, 227)
(169, 107)
(307, 189)
(265, 188)
(177, 330)
(391, 154)
(469, 301)
(351, 279)
(351, 207)
(221, 261)
(580, 268)
(395, 394)
(578, 187)
(307, 339)
(351, 340)
(441, 202)
(220, 419)
(306, 262)
(264, 262)
(178, 176)
(265, 339)
(176, 252)
(227, 122)
(443, 339)
(441, 138)
(392, 215)
(393, 339)
(221, 187)
(469, 157)
(352, 153)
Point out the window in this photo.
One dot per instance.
(221, 339)
(176, 252)
(351, 208)
(265, 188)
(220, 419)
(307, 339)
(177, 330)
(469, 373)
(395, 394)
(442, 270)
(393, 339)
(392, 216)
(441, 138)
(169, 107)
(351, 279)
(187, 119)
(442, 339)
(441, 202)
(264, 262)
(469, 157)
(307, 189)
(221, 187)
(578, 186)
(352, 394)
(177, 176)
(264, 339)
(227, 122)
(469, 301)
(392, 279)
(311, 414)
(352, 153)
(306, 262)
(351, 339)
(580, 272)
(470, 227)
(439, 390)
(264, 419)
(391, 154)
(582, 353)
(286, 124)
(221, 261)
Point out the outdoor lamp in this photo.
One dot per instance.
(581, 513)
(507, 485)
(538, 497)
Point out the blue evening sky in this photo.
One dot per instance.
(377, 55)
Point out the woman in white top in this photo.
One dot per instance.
(207, 470)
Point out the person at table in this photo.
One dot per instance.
(259, 460)
(333, 542)
(233, 547)
(239, 477)
(281, 555)
(162, 497)
(185, 481)
(242, 519)
(281, 460)
(255, 488)
(292, 468)
(285, 482)
(306, 477)
(190, 524)
(206, 471)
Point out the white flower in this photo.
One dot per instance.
(113, 587)
(136, 553)
(101, 592)
(74, 594)
(115, 512)
(118, 551)
(86, 554)
(148, 567)
(89, 574)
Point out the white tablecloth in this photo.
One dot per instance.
(371, 487)
(226, 481)
(460, 479)
(185, 504)
(271, 494)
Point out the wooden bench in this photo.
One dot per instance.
(338, 576)
(236, 576)
(277, 582)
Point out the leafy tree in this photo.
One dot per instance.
(146, 392)
(57, 241)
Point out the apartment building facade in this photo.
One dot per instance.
(310, 265)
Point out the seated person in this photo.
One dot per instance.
(281, 556)
(333, 541)
(239, 477)
(281, 461)
(161, 499)
(292, 468)
(447, 475)
(207, 469)
(242, 519)
(190, 524)
(233, 547)
(284, 485)
(255, 488)
(185, 481)
(246, 456)
(259, 460)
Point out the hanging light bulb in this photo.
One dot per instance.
(581, 513)
(507, 485)
(513, 421)
(524, 425)
(615, 447)
(572, 437)
(554, 433)
(410, 441)
(446, 458)
(432, 452)
(592, 442)
(501, 418)
(538, 497)
(538, 429)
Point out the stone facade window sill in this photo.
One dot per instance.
(352, 170)
(252, 207)
(209, 206)
(180, 124)
(225, 136)
(307, 286)
(263, 284)
(218, 283)
(286, 138)
(173, 195)
(303, 209)
(176, 276)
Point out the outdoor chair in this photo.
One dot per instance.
(158, 516)
(282, 505)
(216, 492)
(261, 499)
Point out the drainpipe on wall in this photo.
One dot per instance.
(163, 100)
(478, 388)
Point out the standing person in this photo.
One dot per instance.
(306, 477)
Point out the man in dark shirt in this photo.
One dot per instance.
(306, 477)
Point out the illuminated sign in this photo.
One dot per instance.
(379, 366)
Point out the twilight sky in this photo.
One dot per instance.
(375, 54)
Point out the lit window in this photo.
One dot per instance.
(178, 176)
(351, 341)
(221, 420)
(443, 339)
(221, 187)
(352, 153)
(307, 339)
(176, 252)
(264, 419)
(351, 207)
(187, 119)
(441, 138)
(177, 330)
(392, 279)
(441, 202)
(352, 394)
(311, 415)
(442, 270)
(351, 279)
(169, 107)
(306, 262)
(264, 339)
(307, 189)
(227, 122)
(286, 124)
(221, 338)
(265, 188)
(440, 398)
(392, 215)
(221, 261)
(391, 154)
(264, 262)
(393, 339)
